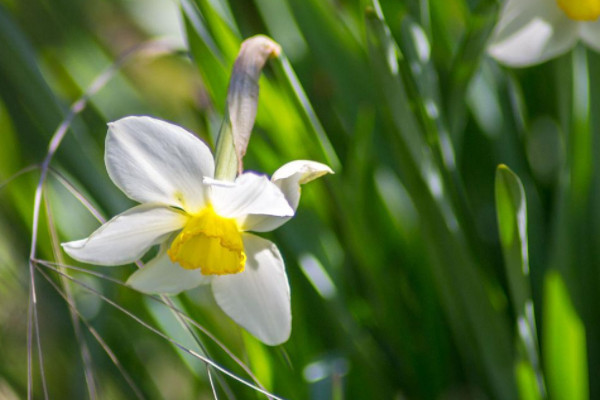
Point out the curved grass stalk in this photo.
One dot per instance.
(149, 48)
(78, 195)
(19, 173)
(53, 146)
(146, 325)
(84, 350)
(163, 299)
(33, 321)
(55, 267)
(69, 299)
(201, 346)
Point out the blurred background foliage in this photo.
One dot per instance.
(420, 269)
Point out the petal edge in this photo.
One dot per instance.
(289, 177)
(160, 275)
(258, 299)
(152, 160)
(127, 236)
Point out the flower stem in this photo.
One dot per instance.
(226, 160)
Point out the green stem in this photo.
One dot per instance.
(226, 162)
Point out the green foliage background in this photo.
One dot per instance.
(406, 266)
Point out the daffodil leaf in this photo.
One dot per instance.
(481, 333)
(206, 53)
(512, 223)
(511, 208)
(527, 381)
(565, 358)
(287, 74)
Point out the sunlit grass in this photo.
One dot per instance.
(420, 269)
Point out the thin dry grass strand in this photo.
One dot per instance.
(33, 325)
(191, 352)
(54, 266)
(72, 305)
(163, 299)
(55, 141)
(198, 341)
(96, 213)
(84, 350)
(29, 344)
(78, 195)
(40, 353)
(19, 173)
(151, 48)
(212, 385)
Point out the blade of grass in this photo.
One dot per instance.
(83, 347)
(156, 331)
(207, 54)
(564, 344)
(71, 304)
(511, 209)
(572, 254)
(419, 73)
(593, 273)
(480, 331)
(183, 319)
(294, 87)
(466, 63)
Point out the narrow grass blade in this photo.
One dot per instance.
(305, 109)
(564, 344)
(480, 330)
(511, 209)
(206, 53)
(466, 62)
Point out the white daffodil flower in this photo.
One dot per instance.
(530, 32)
(201, 224)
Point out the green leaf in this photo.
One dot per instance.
(466, 294)
(526, 381)
(302, 104)
(511, 209)
(208, 57)
(564, 343)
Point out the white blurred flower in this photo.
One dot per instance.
(530, 32)
(200, 223)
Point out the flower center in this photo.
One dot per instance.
(211, 243)
(581, 10)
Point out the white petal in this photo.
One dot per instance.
(251, 194)
(530, 32)
(160, 275)
(126, 237)
(155, 161)
(295, 173)
(258, 299)
(590, 34)
(288, 178)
